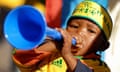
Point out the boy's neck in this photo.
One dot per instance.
(91, 56)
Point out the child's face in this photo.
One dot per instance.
(85, 32)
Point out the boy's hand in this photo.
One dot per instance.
(66, 50)
(67, 42)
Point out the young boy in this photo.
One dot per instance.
(91, 25)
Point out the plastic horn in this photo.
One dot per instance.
(25, 28)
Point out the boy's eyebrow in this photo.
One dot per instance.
(93, 25)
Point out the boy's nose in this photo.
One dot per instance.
(81, 31)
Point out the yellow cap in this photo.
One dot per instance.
(96, 13)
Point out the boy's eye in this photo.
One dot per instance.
(73, 26)
(91, 31)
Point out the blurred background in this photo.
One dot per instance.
(6, 63)
(56, 13)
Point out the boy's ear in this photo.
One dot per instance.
(105, 46)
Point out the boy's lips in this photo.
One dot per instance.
(79, 46)
(75, 49)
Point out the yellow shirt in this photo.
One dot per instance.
(57, 65)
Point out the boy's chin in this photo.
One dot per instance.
(77, 54)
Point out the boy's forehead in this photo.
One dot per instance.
(90, 23)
